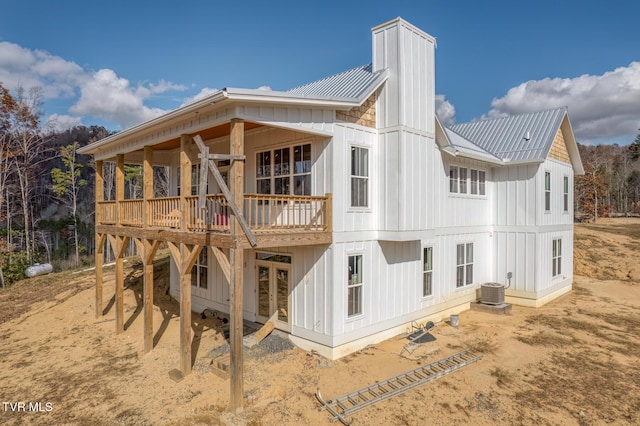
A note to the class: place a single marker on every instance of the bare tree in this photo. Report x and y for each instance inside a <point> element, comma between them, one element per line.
<point>28,145</point>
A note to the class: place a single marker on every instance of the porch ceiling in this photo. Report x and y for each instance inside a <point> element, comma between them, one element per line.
<point>208,134</point>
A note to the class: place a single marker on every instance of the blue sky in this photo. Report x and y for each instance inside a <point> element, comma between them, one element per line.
<point>117,63</point>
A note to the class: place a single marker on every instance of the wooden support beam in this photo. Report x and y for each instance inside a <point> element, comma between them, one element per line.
<point>99,256</point>
<point>185,179</point>
<point>119,245</point>
<point>223,262</point>
<point>185,314</point>
<point>236,257</point>
<point>148,249</point>
<point>227,192</point>
<point>147,182</point>
<point>100,238</point>
<point>119,184</point>
<point>185,258</point>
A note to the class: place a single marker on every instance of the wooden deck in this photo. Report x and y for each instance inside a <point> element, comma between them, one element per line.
<point>275,220</point>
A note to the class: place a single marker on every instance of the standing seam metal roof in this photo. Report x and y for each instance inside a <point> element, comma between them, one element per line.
<point>348,84</point>
<point>506,137</point>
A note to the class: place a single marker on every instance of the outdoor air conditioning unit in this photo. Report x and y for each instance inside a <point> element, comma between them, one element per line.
<point>492,293</point>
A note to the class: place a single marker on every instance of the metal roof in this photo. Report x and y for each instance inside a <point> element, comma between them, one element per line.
<point>522,137</point>
<point>468,148</point>
<point>353,83</point>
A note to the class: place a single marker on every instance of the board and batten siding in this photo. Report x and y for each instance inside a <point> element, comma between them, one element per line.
<point>556,215</point>
<point>407,171</point>
<point>392,282</point>
<point>408,97</point>
<point>345,217</point>
<point>462,210</point>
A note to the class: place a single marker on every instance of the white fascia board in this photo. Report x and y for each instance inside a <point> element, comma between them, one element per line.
<point>268,96</point>
<point>216,97</point>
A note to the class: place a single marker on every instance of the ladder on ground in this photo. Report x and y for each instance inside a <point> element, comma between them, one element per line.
<point>345,405</point>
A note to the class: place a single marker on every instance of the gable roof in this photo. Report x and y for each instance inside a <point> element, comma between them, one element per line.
<point>356,83</point>
<point>522,137</point>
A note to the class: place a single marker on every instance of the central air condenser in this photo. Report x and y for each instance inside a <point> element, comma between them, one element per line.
<point>492,293</point>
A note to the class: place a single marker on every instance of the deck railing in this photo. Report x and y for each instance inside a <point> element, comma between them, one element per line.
<point>164,212</point>
<point>108,212</point>
<point>262,212</point>
<point>130,212</point>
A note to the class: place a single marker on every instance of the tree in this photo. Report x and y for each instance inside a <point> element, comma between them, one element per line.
<point>8,107</point>
<point>67,184</point>
<point>634,148</point>
<point>593,185</point>
<point>27,144</point>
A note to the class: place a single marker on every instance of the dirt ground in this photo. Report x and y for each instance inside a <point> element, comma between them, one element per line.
<point>573,361</point>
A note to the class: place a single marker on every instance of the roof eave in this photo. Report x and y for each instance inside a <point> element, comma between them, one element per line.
<point>216,97</point>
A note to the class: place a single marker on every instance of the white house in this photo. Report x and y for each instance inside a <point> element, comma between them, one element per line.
<point>366,213</point>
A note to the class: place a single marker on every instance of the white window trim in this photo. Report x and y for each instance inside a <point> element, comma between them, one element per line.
<point>348,286</point>
<point>423,272</point>
<point>557,260</point>
<point>468,182</point>
<point>197,265</point>
<point>271,149</point>
<point>566,194</point>
<point>545,191</point>
<point>464,264</point>
<point>368,207</point>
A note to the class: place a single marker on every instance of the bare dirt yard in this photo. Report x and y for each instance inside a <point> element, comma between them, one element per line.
<point>573,361</point>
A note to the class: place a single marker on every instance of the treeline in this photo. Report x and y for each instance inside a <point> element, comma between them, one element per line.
<point>611,183</point>
<point>46,190</point>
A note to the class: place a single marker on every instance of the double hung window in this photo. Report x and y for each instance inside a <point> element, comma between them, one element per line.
<point>464,264</point>
<point>354,285</point>
<point>359,177</point>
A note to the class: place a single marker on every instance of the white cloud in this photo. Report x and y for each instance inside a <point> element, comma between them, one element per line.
<point>57,122</point>
<point>30,68</point>
<point>113,98</point>
<point>600,106</point>
<point>445,111</point>
<point>102,94</point>
<point>200,95</point>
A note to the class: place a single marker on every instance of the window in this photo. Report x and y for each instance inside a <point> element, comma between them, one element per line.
<point>453,179</point>
<point>427,271</point>
<point>359,177</point>
<point>199,271</point>
<point>464,264</point>
<point>547,191</point>
<point>354,298</point>
<point>285,171</point>
<point>464,180</point>
<point>556,257</point>
<point>477,182</point>
<point>566,193</point>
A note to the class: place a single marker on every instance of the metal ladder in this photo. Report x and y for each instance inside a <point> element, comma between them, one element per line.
<point>348,404</point>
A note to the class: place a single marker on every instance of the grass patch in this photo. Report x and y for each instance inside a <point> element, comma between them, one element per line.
<point>484,344</point>
<point>503,377</point>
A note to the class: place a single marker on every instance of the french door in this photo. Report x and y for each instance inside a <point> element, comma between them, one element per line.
<point>273,293</point>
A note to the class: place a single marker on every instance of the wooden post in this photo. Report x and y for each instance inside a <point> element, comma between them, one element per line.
<point>185,179</point>
<point>119,245</point>
<point>185,314</point>
<point>119,185</point>
<point>236,180</point>
<point>148,251</point>
<point>99,196</point>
